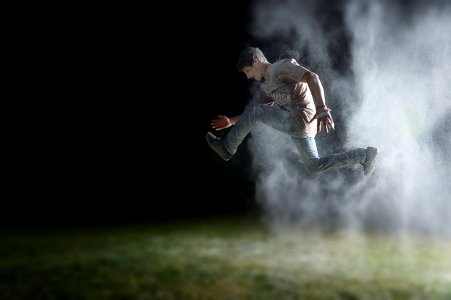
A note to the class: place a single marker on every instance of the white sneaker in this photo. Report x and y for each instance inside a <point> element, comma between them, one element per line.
<point>216,144</point>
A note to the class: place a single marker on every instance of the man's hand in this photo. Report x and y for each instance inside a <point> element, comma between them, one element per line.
<point>324,119</point>
<point>221,122</point>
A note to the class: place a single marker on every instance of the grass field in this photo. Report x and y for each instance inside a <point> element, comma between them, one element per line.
<point>220,259</point>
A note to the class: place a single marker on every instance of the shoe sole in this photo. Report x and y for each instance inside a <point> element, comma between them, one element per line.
<point>214,149</point>
<point>373,163</point>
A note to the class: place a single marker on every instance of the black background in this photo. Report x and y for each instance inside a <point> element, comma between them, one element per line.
<point>191,77</point>
<point>115,129</point>
<point>120,134</point>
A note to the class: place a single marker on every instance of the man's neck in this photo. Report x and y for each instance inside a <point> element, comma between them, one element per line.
<point>265,68</point>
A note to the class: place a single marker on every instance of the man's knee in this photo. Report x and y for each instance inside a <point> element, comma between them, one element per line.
<point>313,166</point>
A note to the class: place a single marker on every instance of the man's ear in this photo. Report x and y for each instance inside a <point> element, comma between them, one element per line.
<point>255,62</point>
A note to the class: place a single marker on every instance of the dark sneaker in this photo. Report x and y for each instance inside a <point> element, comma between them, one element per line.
<point>216,144</point>
<point>370,161</point>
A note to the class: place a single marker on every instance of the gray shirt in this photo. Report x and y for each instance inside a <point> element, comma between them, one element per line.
<point>282,84</point>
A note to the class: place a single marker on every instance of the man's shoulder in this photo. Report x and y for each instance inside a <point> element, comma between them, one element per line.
<point>285,62</point>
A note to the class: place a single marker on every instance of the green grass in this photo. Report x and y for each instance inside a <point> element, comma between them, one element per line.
<point>217,259</point>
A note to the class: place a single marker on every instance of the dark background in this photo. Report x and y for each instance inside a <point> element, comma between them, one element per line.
<point>124,139</point>
<point>191,77</point>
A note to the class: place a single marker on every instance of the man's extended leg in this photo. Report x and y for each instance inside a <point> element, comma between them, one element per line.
<point>272,116</point>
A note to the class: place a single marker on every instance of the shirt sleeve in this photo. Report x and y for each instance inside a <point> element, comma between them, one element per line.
<point>291,71</point>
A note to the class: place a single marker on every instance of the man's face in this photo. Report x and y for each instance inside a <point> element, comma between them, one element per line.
<point>254,72</point>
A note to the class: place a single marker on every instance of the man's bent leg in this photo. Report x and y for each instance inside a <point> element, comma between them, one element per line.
<point>340,160</point>
<point>307,150</point>
<point>309,156</point>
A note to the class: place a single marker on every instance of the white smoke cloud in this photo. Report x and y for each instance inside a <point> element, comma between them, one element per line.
<point>401,67</point>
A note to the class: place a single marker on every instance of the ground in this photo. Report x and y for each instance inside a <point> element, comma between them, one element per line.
<point>220,259</point>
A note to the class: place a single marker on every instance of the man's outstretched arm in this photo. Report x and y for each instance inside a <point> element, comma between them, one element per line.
<point>322,111</point>
<point>222,122</point>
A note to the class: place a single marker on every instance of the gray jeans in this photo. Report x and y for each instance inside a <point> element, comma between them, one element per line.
<point>282,120</point>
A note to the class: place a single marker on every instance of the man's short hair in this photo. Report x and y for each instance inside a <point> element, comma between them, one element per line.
<point>247,56</point>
